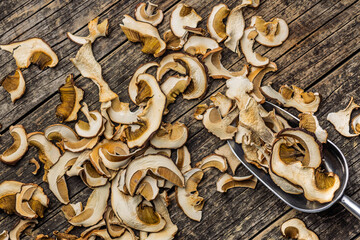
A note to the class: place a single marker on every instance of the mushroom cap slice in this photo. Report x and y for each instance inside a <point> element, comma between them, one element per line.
<point>131,212</point>
<point>310,122</point>
<point>32,50</point>
<point>219,126</point>
<point>199,45</point>
<point>183,159</point>
<point>91,177</point>
<point>77,167</point>
<point>87,65</point>
<point>145,33</point>
<point>226,181</point>
<point>95,30</point>
<point>182,16</point>
<point>270,34</point>
<point>232,160</point>
<point>115,155</point>
<point>296,229</point>
<point>120,112</point>
<point>215,24</point>
<point>8,190</point>
<point>149,13</point>
<point>173,42</point>
<point>94,125</point>
<point>170,136</point>
<point>224,104</point>
<point>70,96</point>
<point>188,197</point>
<point>15,85</point>
<point>341,119</point>
<point>80,145</point>
<point>168,63</point>
<point>60,132</point>
<point>22,205</point>
<point>247,42</point>
<point>213,160</point>
<point>20,227</point>
<point>151,150</point>
<point>18,149</point>
<point>148,188</point>
<point>284,184</point>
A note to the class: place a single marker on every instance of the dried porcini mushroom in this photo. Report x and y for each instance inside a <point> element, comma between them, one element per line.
<point>293,97</point>
<point>37,165</point>
<point>182,16</point>
<point>20,227</point>
<point>91,177</point>
<point>120,112</point>
<point>114,154</point>
<point>196,45</point>
<point>151,150</point>
<point>15,85</point>
<point>60,132</point>
<point>197,31</point>
<point>168,63</point>
<point>148,188</point>
<point>310,122</point>
<point>215,24</point>
<point>171,136</point>
<point>296,229</point>
<point>159,165</point>
<point>226,182</point>
<point>284,184</point>
<point>232,160</point>
<point>32,50</point>
<point>173,42</point>
<point>94,125</point>
<point>188,197</point>
<point>223,103</point>
<point>219,126</point>
<point>109,126</point>
<point>213,160</point>
<point>145,33</point>
<point>149,13</point>
<point>95,30</point>
<point>70,96</point>
<point>87,65</point>
<point>247,42</point>
<point>200,110</point>
<point>80,145</point>
<point>22,206</point>
<point>270,34</point>
<point>183,159</point>
<point>341,119</point>
<point>172,87</point>
<point>18,149</point>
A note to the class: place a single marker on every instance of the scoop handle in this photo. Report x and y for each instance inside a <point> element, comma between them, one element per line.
<point>351,205</point>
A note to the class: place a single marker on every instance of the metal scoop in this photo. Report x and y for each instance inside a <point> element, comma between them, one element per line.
<point>333,161</point>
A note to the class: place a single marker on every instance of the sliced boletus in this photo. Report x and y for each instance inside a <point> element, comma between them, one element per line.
<point>120,112</point>
<point>114,154</point>
<point>80,145</point>
<point>310,122</point>
<point>215,24</point>
<point>60,132</point>
<point>170,136</point>
<point>182,16</point>
<point>232,160</point>
<point>18,149</point>
<point>37,165</point>
<point>95,30</point>
<point>173,42</point>
<point>91,177</point>
<point>284,184</point>
<point>223,103</point>
<point>168,63</point>
<point>196,45</point>
<point>200,110</point>
<point>149,13</point>
<point>109,126</point>
<point>226,182</point>
<point>148,188</point>
<point>151,150</point>
<point>15,85</point>
<point>20,227</point>
<point>296,229</point>
<point>213,160</point>
<point>219,126</point>
<point>183,159</point>
<point>91,128</point>
<point>4,235</point>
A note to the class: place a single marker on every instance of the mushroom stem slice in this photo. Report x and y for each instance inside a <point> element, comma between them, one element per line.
<point>20,227</point>
<point>215,24</point>
<point>15,85</point>
<point>310,122</point>
<point>296,229</point>
<point>182,16</point>
<point>149,13</point>
<point>219,126</point>
<point>285,185</point>
<point>213,160</point>
<point>226,182</point>
<point>95,30</point>
<point>32,50</point>
<point>170,136</point>
<point>196,45</point>
<point>183,159</point>
<point>18,149</point>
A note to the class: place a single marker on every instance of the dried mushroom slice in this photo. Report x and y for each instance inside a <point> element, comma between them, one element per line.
<point>182,16</point>
<point>294,97</point>
<point>109,131</point>
<point>196,45</point>
<point>226,182</point>
<point>355,124</point>
<point>317,185</point>
<point>213,160</point>
<point>170,136</point>
<point>149,13</point>
<point>115,155</point>
<point>94,125</point>
<point>223,103</point>
<point>197,31</point>
<point>271,34</point>
<point>341,119</point>
<point>231,159</point>
<point>148,188</point>
<point>285,185</point>
<point>15,85</point>
<point>22,205</point>
<point>219,126</point>
<point>200,110</point>
<point>60,132</point>
<point>70,96</point>
<point>151,150</point>
<point>133,212</point>
<point>159,165</point>
<point>247,42</point>
<point>87,65</point>
<point>120,112</point>
<point>95,30</point>
<point>80,145</point>
<point>91,177</point>
<point>77,166</point>
<point>310,122</point>
<point>8,190</point>
<point>18,149</point>
<point>296,229</point>
<point>173,42</point>
<point>20,227</point>
<point>183,159</point>
<point>215,24</point>
<point>168,63</point>
<point>32,50</point>
<point>188,197</point>
<point>145,33</point>
<point>37,166</point>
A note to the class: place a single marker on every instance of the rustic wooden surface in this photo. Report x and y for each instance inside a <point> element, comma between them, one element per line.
<point>321,54</point>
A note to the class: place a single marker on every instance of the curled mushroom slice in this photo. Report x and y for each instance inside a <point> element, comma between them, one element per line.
<point>149,13</point>
<point>70,96</point>
<point>115,155</point>
<point>310,122</point>
<point>296,229</point>
<point>32,50</point>
<point>132,212</point>
<point>77,166</point>
<point>22,205</point>
<point>148,188</point>
<point>20,227</point>
<point>109,131</point>
<point>200,110</point>
<point>199,45</point>
<point>151,150</point>
<point>172,87</point>
<point>196,71</point>
<point>231,159</point>
<point>60,132</point>
<point>247,42</point>
<point>226,182</point>
<point>133,90</point>
<point>18,149</point>
<point>215,24</point>
<point>182,16</point>
<point>173,42</point>
<point>91,177</point>
<point>8,191</point>
<point>171,136</point>
<point>293,97</point>
<point>219,126</point>
<point>284,184</point>
<point>91,128</point>
<point>355,124</point>
<point>183,159</point>
<point>213,160</point>
<point>87,65</point>
<point>80,145</point>
<point>341,119</point>
<point>37,166</point>
<point>95,30</point>
<point>270,34</point>
<point>120,112</point>
<point>145,33</point>
<point>15,85</point>
<point>168,63</point>
<point>188,197</point>
<point>223,103</point>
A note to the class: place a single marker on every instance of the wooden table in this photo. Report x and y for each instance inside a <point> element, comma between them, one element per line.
<point>321,54</point>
